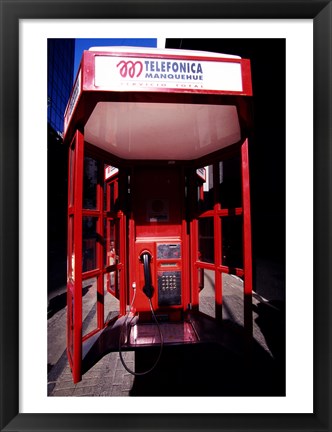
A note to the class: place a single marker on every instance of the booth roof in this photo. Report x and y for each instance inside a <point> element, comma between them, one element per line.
<point>162,51</point>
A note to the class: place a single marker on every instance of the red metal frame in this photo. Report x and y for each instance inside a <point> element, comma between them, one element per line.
<point>74,283</point>
<point>247,250</point>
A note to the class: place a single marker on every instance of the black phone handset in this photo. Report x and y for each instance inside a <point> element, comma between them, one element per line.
<point>148,289</point>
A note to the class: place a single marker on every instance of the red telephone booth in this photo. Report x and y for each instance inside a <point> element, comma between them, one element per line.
<point>158,197</point>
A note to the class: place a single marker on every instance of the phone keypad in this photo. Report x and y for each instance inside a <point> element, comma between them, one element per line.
<point>169,288</point>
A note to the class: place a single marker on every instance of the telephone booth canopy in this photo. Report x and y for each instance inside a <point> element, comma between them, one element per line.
<point>158,192</point>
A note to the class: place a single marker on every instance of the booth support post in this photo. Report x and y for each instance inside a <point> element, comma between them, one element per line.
<point>247,249</point>
<point>74,268</point>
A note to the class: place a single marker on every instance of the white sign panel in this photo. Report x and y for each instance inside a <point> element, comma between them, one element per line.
<point>73,100</point>
<point>134,73</point>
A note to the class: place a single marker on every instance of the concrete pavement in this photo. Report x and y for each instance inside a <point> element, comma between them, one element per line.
<point>189,365</point>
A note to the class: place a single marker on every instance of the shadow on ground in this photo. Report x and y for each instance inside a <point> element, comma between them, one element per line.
<point>208,370</point>
<point>59,302</point>
<point>271,321</point>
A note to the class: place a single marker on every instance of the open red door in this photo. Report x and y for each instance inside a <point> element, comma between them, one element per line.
<point>96,250</point>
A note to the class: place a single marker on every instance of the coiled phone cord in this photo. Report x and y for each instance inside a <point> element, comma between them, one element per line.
<point>121,335</point>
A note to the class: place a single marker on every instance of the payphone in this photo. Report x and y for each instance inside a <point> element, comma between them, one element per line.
<point>160,117</point>
<point>166,267</point>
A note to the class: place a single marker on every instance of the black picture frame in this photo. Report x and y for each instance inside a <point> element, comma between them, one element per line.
<point>10,13</point>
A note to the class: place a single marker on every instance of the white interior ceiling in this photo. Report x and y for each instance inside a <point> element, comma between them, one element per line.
<point>169,131</point>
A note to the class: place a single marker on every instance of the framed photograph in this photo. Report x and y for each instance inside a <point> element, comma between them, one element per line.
<point>289,45</point>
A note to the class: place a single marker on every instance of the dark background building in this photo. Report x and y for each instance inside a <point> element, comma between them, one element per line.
<point>60,60</point>
<point>266,152</point>
<point>60,70</point>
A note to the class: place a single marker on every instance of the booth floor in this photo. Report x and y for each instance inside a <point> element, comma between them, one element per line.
<point>193,370</point>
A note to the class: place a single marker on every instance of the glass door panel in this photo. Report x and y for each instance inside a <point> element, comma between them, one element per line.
<point>207,292</point>
<point>230,191</point>
<point>111,303</point>
<point>89,306</point>
<point>113,235</point>
<point>90,238</point>
<point>232,244</point>
<point>206,239</point>
<point>90,183</point>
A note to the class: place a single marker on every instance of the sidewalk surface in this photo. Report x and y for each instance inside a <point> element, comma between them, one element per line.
<point>195,370</point>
